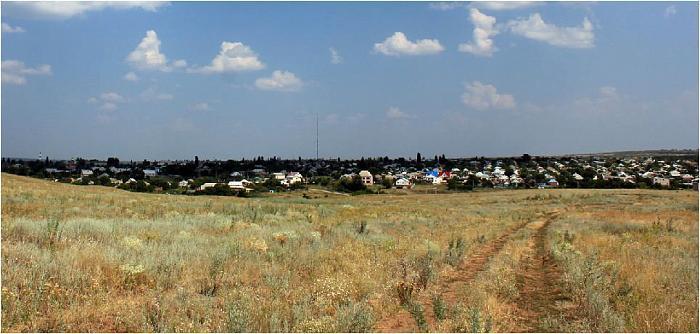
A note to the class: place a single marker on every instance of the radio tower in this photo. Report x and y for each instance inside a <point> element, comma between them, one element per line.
<point>317,137</point>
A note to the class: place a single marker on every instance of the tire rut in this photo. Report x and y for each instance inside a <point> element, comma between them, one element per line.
<point>541,292</point>
<point>449,286</point>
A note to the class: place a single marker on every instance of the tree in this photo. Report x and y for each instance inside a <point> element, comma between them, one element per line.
<point>418,158</point>
<point>387,182</point>
<point>112,162</point>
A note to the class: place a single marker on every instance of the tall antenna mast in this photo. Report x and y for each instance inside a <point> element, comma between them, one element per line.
<point>317,137</point>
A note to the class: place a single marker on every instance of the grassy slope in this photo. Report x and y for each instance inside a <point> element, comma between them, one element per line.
<point>78,258</point>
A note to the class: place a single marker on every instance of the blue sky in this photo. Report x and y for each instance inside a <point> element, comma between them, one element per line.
<point>231,80</point>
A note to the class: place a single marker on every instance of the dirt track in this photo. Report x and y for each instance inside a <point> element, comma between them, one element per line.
<point>539,284</point>
<point>449,285</point>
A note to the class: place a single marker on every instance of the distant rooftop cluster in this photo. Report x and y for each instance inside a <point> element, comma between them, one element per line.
<point>246,176</point>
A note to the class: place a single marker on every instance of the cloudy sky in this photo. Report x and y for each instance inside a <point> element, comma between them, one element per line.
<point>231,80</point>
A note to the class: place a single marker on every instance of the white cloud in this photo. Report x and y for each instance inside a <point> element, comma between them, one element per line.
<point>15,72</point>
<point>447,5</point>
<point>484,29</point>
<point>109,101</point>
<point>147,55</point>
<point>131,76</point>
<point>10,29</point>
<point>108,106</point>
<point>67,9</point>
<point>180,63</point>
<point>112,97</point>
<point>151,94</point>
<point>668,12</point>
<point>502,5</point>
<point>202,106</point>
<point>280,81</point>
<point>484,96</point>
<point>335,56</point>
<point>609,92</point>
<point>233,57</point>
<point>570,37</point>
<point>397,44</point>
<point>396,113</point>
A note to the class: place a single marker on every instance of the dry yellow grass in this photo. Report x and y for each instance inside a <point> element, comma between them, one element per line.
<point>77,258</point>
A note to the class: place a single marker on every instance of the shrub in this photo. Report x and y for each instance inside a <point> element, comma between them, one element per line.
<point>455,251</point>
<point>355,318</point>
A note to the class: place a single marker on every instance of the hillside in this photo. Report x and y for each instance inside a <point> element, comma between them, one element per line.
<point>91,258</point>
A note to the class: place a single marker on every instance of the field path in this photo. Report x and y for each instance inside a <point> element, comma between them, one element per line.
<point>449,285</point>
<point>539,283</point>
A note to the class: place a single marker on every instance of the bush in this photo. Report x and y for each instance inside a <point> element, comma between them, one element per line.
<point>455,252</point>
<point>355,318</point>
<point>349,184</point>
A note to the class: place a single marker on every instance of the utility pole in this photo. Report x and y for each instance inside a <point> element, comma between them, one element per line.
<point>317,137</point>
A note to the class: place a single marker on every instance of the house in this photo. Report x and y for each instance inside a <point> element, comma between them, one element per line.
<point>403,183</point>
<point>367,178</point>
<point>295,177</point>
<point>207,185</point>
<point>150,172</point>
<point>183,184</point>
<point>238,185</point>
<point>552,182</point>
<point>578,177</point>
<point>279,176</point>
<point>86,172</point>
<point>662,181</point>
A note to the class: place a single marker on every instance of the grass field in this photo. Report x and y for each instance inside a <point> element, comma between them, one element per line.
<point>79,258</point>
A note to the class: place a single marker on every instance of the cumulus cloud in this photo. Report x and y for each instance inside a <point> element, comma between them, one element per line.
<point>112,97</point>
<point>397,44</point>
<point>484,29</point>
<point>108,106</point>
<point>335,56</point>
<point>503,5</point>
<point>536,28</point>
<point>396,113</point>
<point>202,106</point>
<point>109,101</point>
<point>147,55</point>
<point>232,57</point>
<point>484,96</point>
<point>14,72</point>
<point>668,12</point>
<point>131,76</point>
<point>447,5</point>
<point>68,9</point>
<point>10,29</point>
<point>152,94</point>
<point>608,92</point>
<point>280,81</point>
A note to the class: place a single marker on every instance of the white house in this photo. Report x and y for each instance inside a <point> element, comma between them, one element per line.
<point>207,185</point>
<point>238,185</point>
<point>150,172</point>
<point>662,181</point>
<point>86,172</point>
<point>183,184</point>
<point>295,177</point>
<point>403,183</point>
<point>367,178</point>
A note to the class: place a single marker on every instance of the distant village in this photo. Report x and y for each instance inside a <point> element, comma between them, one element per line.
<point>247,177</point>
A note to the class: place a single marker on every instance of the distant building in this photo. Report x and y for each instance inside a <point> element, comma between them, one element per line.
<point>662,181</point>
<point>403,183</point>
<point>367,178</point>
